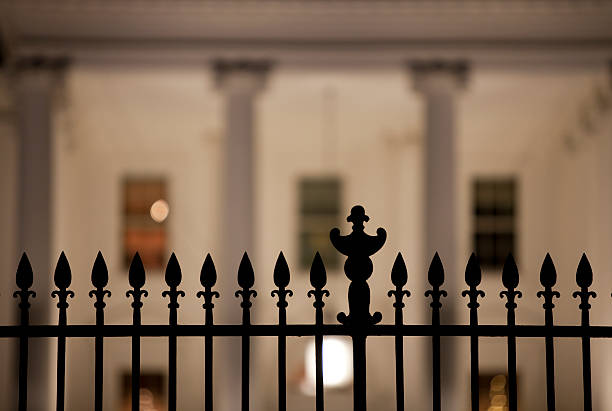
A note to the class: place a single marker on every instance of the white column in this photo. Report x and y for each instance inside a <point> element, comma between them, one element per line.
<point>240,82</point>
<point>36,79</point>
<point>439,84</point>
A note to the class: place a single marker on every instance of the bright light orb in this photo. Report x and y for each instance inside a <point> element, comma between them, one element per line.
<point>337,364</point>
<point>160,210</point>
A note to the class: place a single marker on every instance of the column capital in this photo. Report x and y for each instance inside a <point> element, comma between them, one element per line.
<point>40,73</point>
<point>241,76</point>
<point>439,76</point>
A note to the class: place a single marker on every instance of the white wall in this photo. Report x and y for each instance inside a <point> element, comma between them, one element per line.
<point>364,125</point>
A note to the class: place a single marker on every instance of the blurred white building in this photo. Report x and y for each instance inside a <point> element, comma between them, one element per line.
<point>458,125</point>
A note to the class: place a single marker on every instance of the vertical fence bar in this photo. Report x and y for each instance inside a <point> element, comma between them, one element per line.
<point>137,280</point>
<point>208,278</point>
<point>399,277</point>
<point>246,279</point>
<point>473,277</point>
<point>24,279</point>
<point>548,278</point>
<point>318,279</point>
<point>99,279</point>
<point>358,247</point>
<point>281,280</point>
<point>173,280</point>
<point>510,279</point>
<point>62,278</point>
<point>435,277</point>
<point>584,279</point>
<point>359,371</point>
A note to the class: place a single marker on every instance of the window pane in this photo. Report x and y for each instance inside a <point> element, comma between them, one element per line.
<point>319,212</point>
<point>494,220</point>
<point>145,209</point>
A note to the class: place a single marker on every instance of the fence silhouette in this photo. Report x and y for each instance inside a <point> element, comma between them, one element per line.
<point>359,323</point>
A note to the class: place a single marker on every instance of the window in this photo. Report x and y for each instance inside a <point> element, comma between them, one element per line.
<point>494,221</point>
<point>144,221</point>
<point>319,200</point>
<point>493,392</point>
<point>152,395</point>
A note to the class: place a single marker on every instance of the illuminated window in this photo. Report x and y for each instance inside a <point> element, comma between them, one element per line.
<point>144,216</point>
<point>337,364</point>
<point>493,392</point>
<point>319,200</point>
<point>152,396</point>
<point>494,221</point>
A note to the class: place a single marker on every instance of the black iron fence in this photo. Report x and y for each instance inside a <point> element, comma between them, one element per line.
<point>359,323</point>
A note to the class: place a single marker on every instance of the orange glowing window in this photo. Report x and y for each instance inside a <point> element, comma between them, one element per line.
<point>145,213</point>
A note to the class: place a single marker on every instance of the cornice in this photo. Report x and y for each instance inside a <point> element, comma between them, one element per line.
<point>269,28</point>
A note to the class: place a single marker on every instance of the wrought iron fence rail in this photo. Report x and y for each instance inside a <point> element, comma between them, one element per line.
<point>358,323</point>
<point>303,330</point>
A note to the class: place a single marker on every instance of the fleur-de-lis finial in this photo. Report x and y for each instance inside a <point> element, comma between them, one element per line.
<point>358,247</point>
<point>510,279</point>
<point>548,279</point>
<point>399,278</point>
<point>281,280</point>
<point>208,279</point>
<point>173,280</point>
<point>435,276</point>
<point>62,279</point>
<point>246,280</point>
<point>24,279</point>
<point>584,279</point>
<point>136,277</point>
<point>318,279</point>
<point>473,276</point>
<point>99,279</point>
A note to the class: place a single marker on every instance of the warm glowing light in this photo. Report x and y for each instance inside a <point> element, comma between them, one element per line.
<point>160,210</point>
<point>337,364</point>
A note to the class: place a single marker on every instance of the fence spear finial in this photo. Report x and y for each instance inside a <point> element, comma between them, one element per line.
<point>173,275</point>
<point>473,276</point>
<point>25,276</point>
<point>399,278</point>
<point>63,275</point>
<point>399,273</point>
<point>208,273</point>
<point>99,279</point>
<point>246,276</point>
<point>208,278</point>
<point>584,279</point>
<point>99,272</point>
<point>318,276</point>
<point>173,280</point>
<point>62,278</point>
<point>281,280</point>
<point>246,280</point>
<point>435,274</point>
<point>136,273</point>
<point>281,272</point>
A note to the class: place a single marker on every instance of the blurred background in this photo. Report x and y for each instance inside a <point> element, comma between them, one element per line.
<point>209,126</point>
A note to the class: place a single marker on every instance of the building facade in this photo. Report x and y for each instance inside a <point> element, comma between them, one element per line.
<point>459,126</point>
